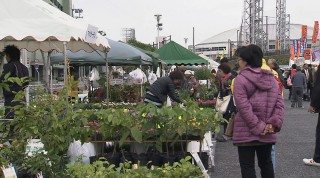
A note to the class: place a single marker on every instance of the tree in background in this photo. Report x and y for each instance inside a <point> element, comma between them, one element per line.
<point>141,45</point>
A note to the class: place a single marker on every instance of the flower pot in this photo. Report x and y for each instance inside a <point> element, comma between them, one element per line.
<point>140,159</point>
<point>156,159</point>
<point>170,159</point>
<point>182,155</point>
<point>113,158</point>
<point>93,159</point>
<point>190,137</point>
<point>204,159</point>
<point>126,157</point>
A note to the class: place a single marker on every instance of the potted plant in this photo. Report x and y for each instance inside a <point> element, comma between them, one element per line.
<point>202,73</point>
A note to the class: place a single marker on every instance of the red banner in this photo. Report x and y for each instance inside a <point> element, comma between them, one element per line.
<point>298,52</point>
<point>315,32</point>
<point>304,34</point>
<point>291,52</point>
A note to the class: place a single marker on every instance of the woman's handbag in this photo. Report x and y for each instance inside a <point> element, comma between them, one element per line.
<point>289,82</point>
<point>229,129</point>
<point>222,103</point>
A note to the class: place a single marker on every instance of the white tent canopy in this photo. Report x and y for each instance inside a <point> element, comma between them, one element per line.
<point>34,24</point>
<point>211,63</point>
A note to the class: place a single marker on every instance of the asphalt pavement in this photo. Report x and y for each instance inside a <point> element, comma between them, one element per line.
<point>295,142</point>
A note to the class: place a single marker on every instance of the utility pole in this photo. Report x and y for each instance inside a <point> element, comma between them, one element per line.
<point>193,48</point>
<point>159,28</point>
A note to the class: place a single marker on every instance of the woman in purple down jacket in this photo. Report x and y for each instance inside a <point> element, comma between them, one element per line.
<point>260,113</point>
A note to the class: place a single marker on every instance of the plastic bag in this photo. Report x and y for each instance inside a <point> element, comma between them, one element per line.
<point>138,76</point>
<point>94,75</point>
<point>152,78</point>
<point>85,151</point>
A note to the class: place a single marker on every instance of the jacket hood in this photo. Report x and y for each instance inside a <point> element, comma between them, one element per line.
<point>262,79</point>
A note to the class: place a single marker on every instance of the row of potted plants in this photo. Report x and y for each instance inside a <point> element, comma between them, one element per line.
<point>57,122</point>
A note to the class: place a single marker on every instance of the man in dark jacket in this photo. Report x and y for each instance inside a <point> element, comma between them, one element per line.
<point>315,108</point>
<point>16,69</point>
<point>158,92</point>
<point>308,73</point>
<point>299,84</point>
<point>272,63</point>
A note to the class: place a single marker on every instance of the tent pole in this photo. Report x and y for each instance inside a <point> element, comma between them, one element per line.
<point>51,79</point>
<point>107,77</point>
<point>141,85</point>
<point>27,89</point>
<point>50,69</point>
<point>65,72</point>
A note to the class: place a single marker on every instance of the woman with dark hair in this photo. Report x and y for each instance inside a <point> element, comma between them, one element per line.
<point>260,113</point>
<point>224,90</point>
<point>165,86</point>
<point>315,108</point>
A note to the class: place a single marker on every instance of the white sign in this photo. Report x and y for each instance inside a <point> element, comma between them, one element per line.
<point>91,34</point>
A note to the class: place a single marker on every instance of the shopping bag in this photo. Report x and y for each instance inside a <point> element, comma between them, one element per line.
<point>222,103</point>
<point>229,129</point>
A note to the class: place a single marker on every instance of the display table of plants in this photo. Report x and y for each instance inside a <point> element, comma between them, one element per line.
<point>57,122</point>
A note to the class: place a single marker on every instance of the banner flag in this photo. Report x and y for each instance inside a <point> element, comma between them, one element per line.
<point>291,52</point>
<point>295,45</point>
<point>304,34</point>
<point>299,47</point>
<point>315,32</point>
<point>316,55</point>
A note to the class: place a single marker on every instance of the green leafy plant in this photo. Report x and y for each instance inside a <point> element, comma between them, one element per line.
<point>202,73</point>
<point>56,123</point>
<point>101,169</point>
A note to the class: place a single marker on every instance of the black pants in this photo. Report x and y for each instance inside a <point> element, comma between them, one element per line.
<point>297,94</point>
<point>316,156</point>
<point>247,161</point>
<point>8,104</point>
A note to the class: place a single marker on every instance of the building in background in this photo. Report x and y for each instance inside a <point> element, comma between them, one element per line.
<point>63,5</point>
<point>128,34</point>
<point>227,41</point>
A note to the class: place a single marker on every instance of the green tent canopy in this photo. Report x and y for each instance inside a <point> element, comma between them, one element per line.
<point>174,54</point>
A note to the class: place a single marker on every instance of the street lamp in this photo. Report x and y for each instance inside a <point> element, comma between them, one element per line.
<point>238,38</point>
<point>186,42</point>
<point>159,27</point>
<point>77,11</point>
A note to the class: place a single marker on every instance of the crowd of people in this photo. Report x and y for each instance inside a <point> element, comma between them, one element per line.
<point>255,87</point>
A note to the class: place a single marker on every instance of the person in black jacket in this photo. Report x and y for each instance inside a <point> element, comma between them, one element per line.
<point>272,63</point>
<point>315,108</point>
<point>165,86</point>
<point>16,69</point>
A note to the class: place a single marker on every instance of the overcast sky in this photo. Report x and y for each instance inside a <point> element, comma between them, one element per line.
<point>209,17</point>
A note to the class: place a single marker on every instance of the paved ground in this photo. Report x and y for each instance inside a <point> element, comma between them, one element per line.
<point>295,142</point>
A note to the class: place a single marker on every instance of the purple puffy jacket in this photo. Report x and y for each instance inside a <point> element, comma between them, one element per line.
<point>259,102</point>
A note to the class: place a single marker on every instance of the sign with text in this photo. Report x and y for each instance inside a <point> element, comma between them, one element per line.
<point>91,34</point>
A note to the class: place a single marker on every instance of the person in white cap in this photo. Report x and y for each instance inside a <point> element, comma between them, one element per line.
<point>192,81</point>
